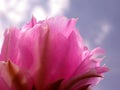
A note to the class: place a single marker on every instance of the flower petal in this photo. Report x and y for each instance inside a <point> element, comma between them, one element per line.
<point>10,45</point>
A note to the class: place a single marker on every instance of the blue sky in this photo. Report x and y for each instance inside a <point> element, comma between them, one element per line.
<point>98,23</point>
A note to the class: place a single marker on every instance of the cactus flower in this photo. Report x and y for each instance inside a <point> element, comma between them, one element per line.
<point>48,55</point>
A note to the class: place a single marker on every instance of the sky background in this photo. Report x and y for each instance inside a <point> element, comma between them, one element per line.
<point>98,24</point>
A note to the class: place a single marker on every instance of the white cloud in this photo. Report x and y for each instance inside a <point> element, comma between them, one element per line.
<point>13,10</point>
<point>105,28</point>
<point>2,6</point>
<point>55,7</point>
<point>39,13</point>
<point>16,12</point>
<point>15,18</point>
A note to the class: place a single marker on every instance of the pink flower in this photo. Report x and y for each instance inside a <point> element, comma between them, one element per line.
<point>48,55</point>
